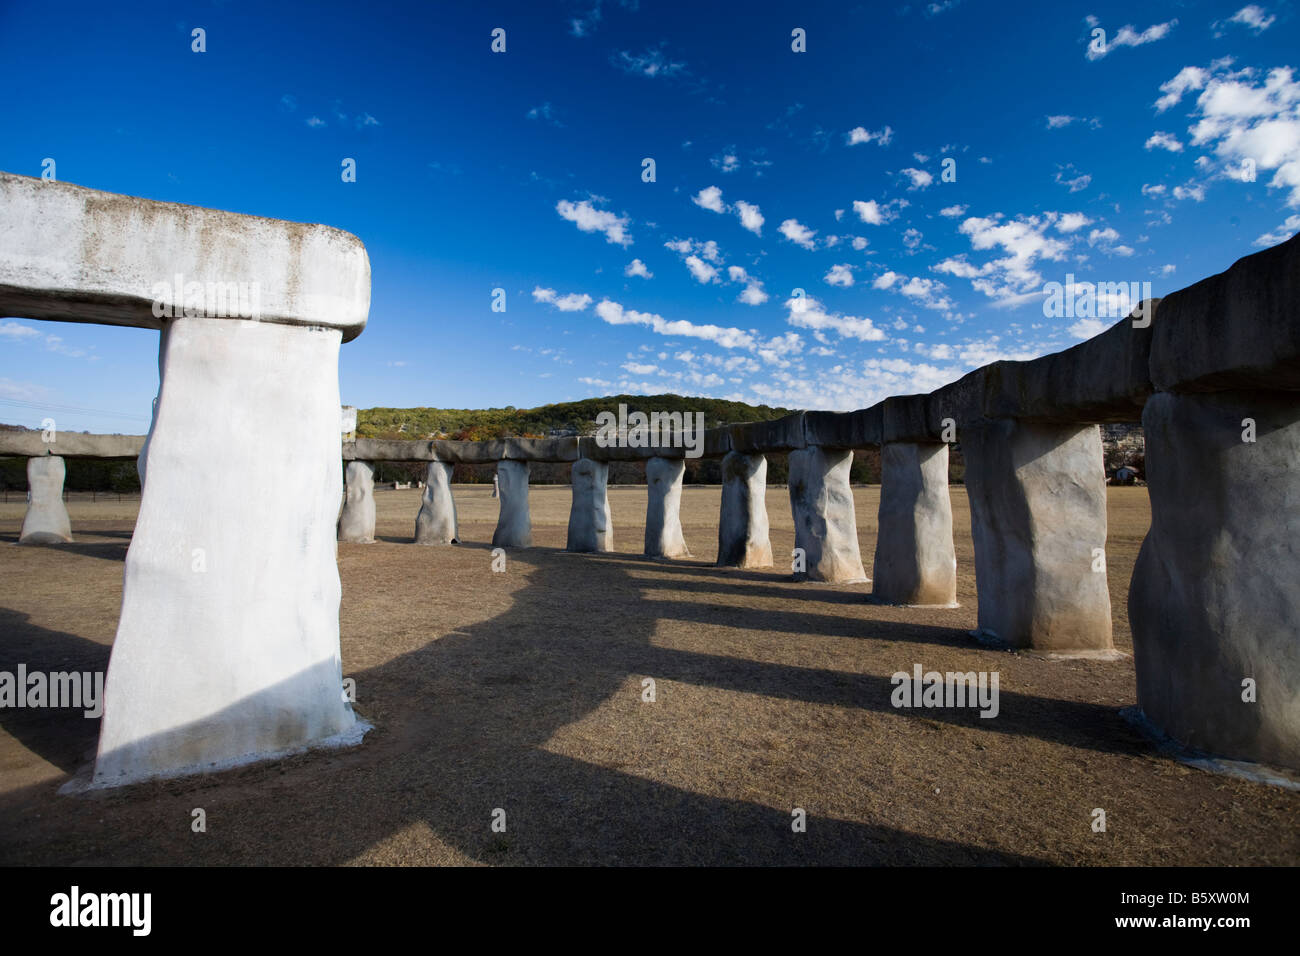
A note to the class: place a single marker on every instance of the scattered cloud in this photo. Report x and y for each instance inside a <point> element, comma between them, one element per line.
<point>1126,36</point>
<point>1161,140</point>
<point>589,219</point>
<point>638,268</point>
<point>840,275</point>
<point>859,134</point>
<point>800,235</point>
<point>750,217</point>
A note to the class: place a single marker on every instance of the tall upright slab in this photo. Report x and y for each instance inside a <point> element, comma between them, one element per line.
<point>357,521</point>
<point>1215,596</point>
<point>915,560</point>
<point>663,517</point>
<point>825,521</point>
<point>591,527</point>
<point>46,521</point>
<point>436,522</point>
<point>227,649</point>
<point>514,523</point>
<point>743,540</point>
<point>1038,519</point>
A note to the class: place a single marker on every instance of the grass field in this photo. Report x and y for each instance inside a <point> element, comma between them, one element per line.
<point>523,691</point>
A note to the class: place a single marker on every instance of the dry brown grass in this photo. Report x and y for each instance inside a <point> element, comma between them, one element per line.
<point>522,690</point>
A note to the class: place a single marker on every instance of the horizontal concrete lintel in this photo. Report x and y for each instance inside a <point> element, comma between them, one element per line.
<point>71,254</point>
<point>28,444</point>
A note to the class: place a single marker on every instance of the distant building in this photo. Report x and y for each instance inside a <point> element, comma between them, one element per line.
<point>1127,475</point>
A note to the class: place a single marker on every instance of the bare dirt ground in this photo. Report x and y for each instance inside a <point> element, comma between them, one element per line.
<point>522,691</point>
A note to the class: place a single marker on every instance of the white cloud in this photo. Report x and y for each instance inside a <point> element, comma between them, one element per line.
<point>885,281</point>
<point>920,178</point>
<point>1087,328</point>
<point>750,217</point>
<point>1056,122</point>
<point>1163,140</point>
<point>798,234</point>
<point>651,63</point>
<point>1072,222</point>
<point>1156,190</point>
<point>860,135</point>
<point>573,302</point>
<point>315,122</point>
<point>859,243</point>
<point>1249,124</point>
<point>680,246</point>
<point>16,332</point>
<point>841,275</point>
<point>638,268</point>
<point>730,338</point>
<point>1253,17</point>
<point>1282,233</point>
<point>876,214</point>
<point>1127,36</point>
<point>807,313</point>
<point>701,270</point>
<point>1011,279</point>
<point>1105,236</point>
<point>726,162</point>
<point>1188,78</point>
<point>1168,270</point>
<point>710,198</point>
<point>1075,183</point>
<point>1196,193</point>
<point>589,219</point>
<point>638,369</point>
<point>952,212</point>
<point>912,238</point>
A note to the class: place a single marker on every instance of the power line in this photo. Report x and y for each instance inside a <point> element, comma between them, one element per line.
<point>41,406</point>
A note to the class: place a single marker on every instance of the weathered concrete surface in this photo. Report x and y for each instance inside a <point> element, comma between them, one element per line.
<point>80,255</point>
<point>857,429</point>
<point>663,519</point>
<point>825,524</point>
<point>28,444</point>
<point>357,522</point>
<point>743,540</point>
<point>915,560</point>
<point>591,527</point>
<point>781,434</point>
<point>514,523</point>
<point>1215,596</point>
<point>1038,510</point>
<point>227,648</point>
<point>1105,379</point>
<point>46,521</point>
<point>1235,330</point>
<point>506,449</point>
<point>496,486</point>
<point>906,418</point>
<point>387,449</point>
<point>436,522</point>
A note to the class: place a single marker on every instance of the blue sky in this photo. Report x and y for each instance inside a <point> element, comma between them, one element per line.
<point>774,171</point>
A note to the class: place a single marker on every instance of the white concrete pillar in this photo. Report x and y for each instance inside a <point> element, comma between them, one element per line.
<point>514,524</point>
<point>591,527</point>
<point>357,522</point>
<point>743,540</point>
<point>227,648</point>
<point>46,521</point>
<point>825,522</point>
<point>436,522</point>
<point>1038,518</point>
<point>663,519</point>
<point>915,560</point>
<point>1215,597</point>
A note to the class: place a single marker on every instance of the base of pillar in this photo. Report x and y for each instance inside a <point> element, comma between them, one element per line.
<point>1240,769</point>
<point>85,781</point>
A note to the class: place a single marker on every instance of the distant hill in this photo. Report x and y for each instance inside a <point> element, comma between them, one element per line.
<point>564,418</point>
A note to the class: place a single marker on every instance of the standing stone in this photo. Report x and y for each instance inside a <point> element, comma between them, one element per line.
<point>742,520</point>
<point>915,560</point>
<point>46,521</point>
<point>436,522</point>
<point>357,523</point>
<point>1215,596</point>
<point>227,646</point>
<point>825,522</point>
<point>590,525</point>
<point>663,519</point>
<point>1038,519</point>
<point>496,486</point>
<point>514,524</point>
